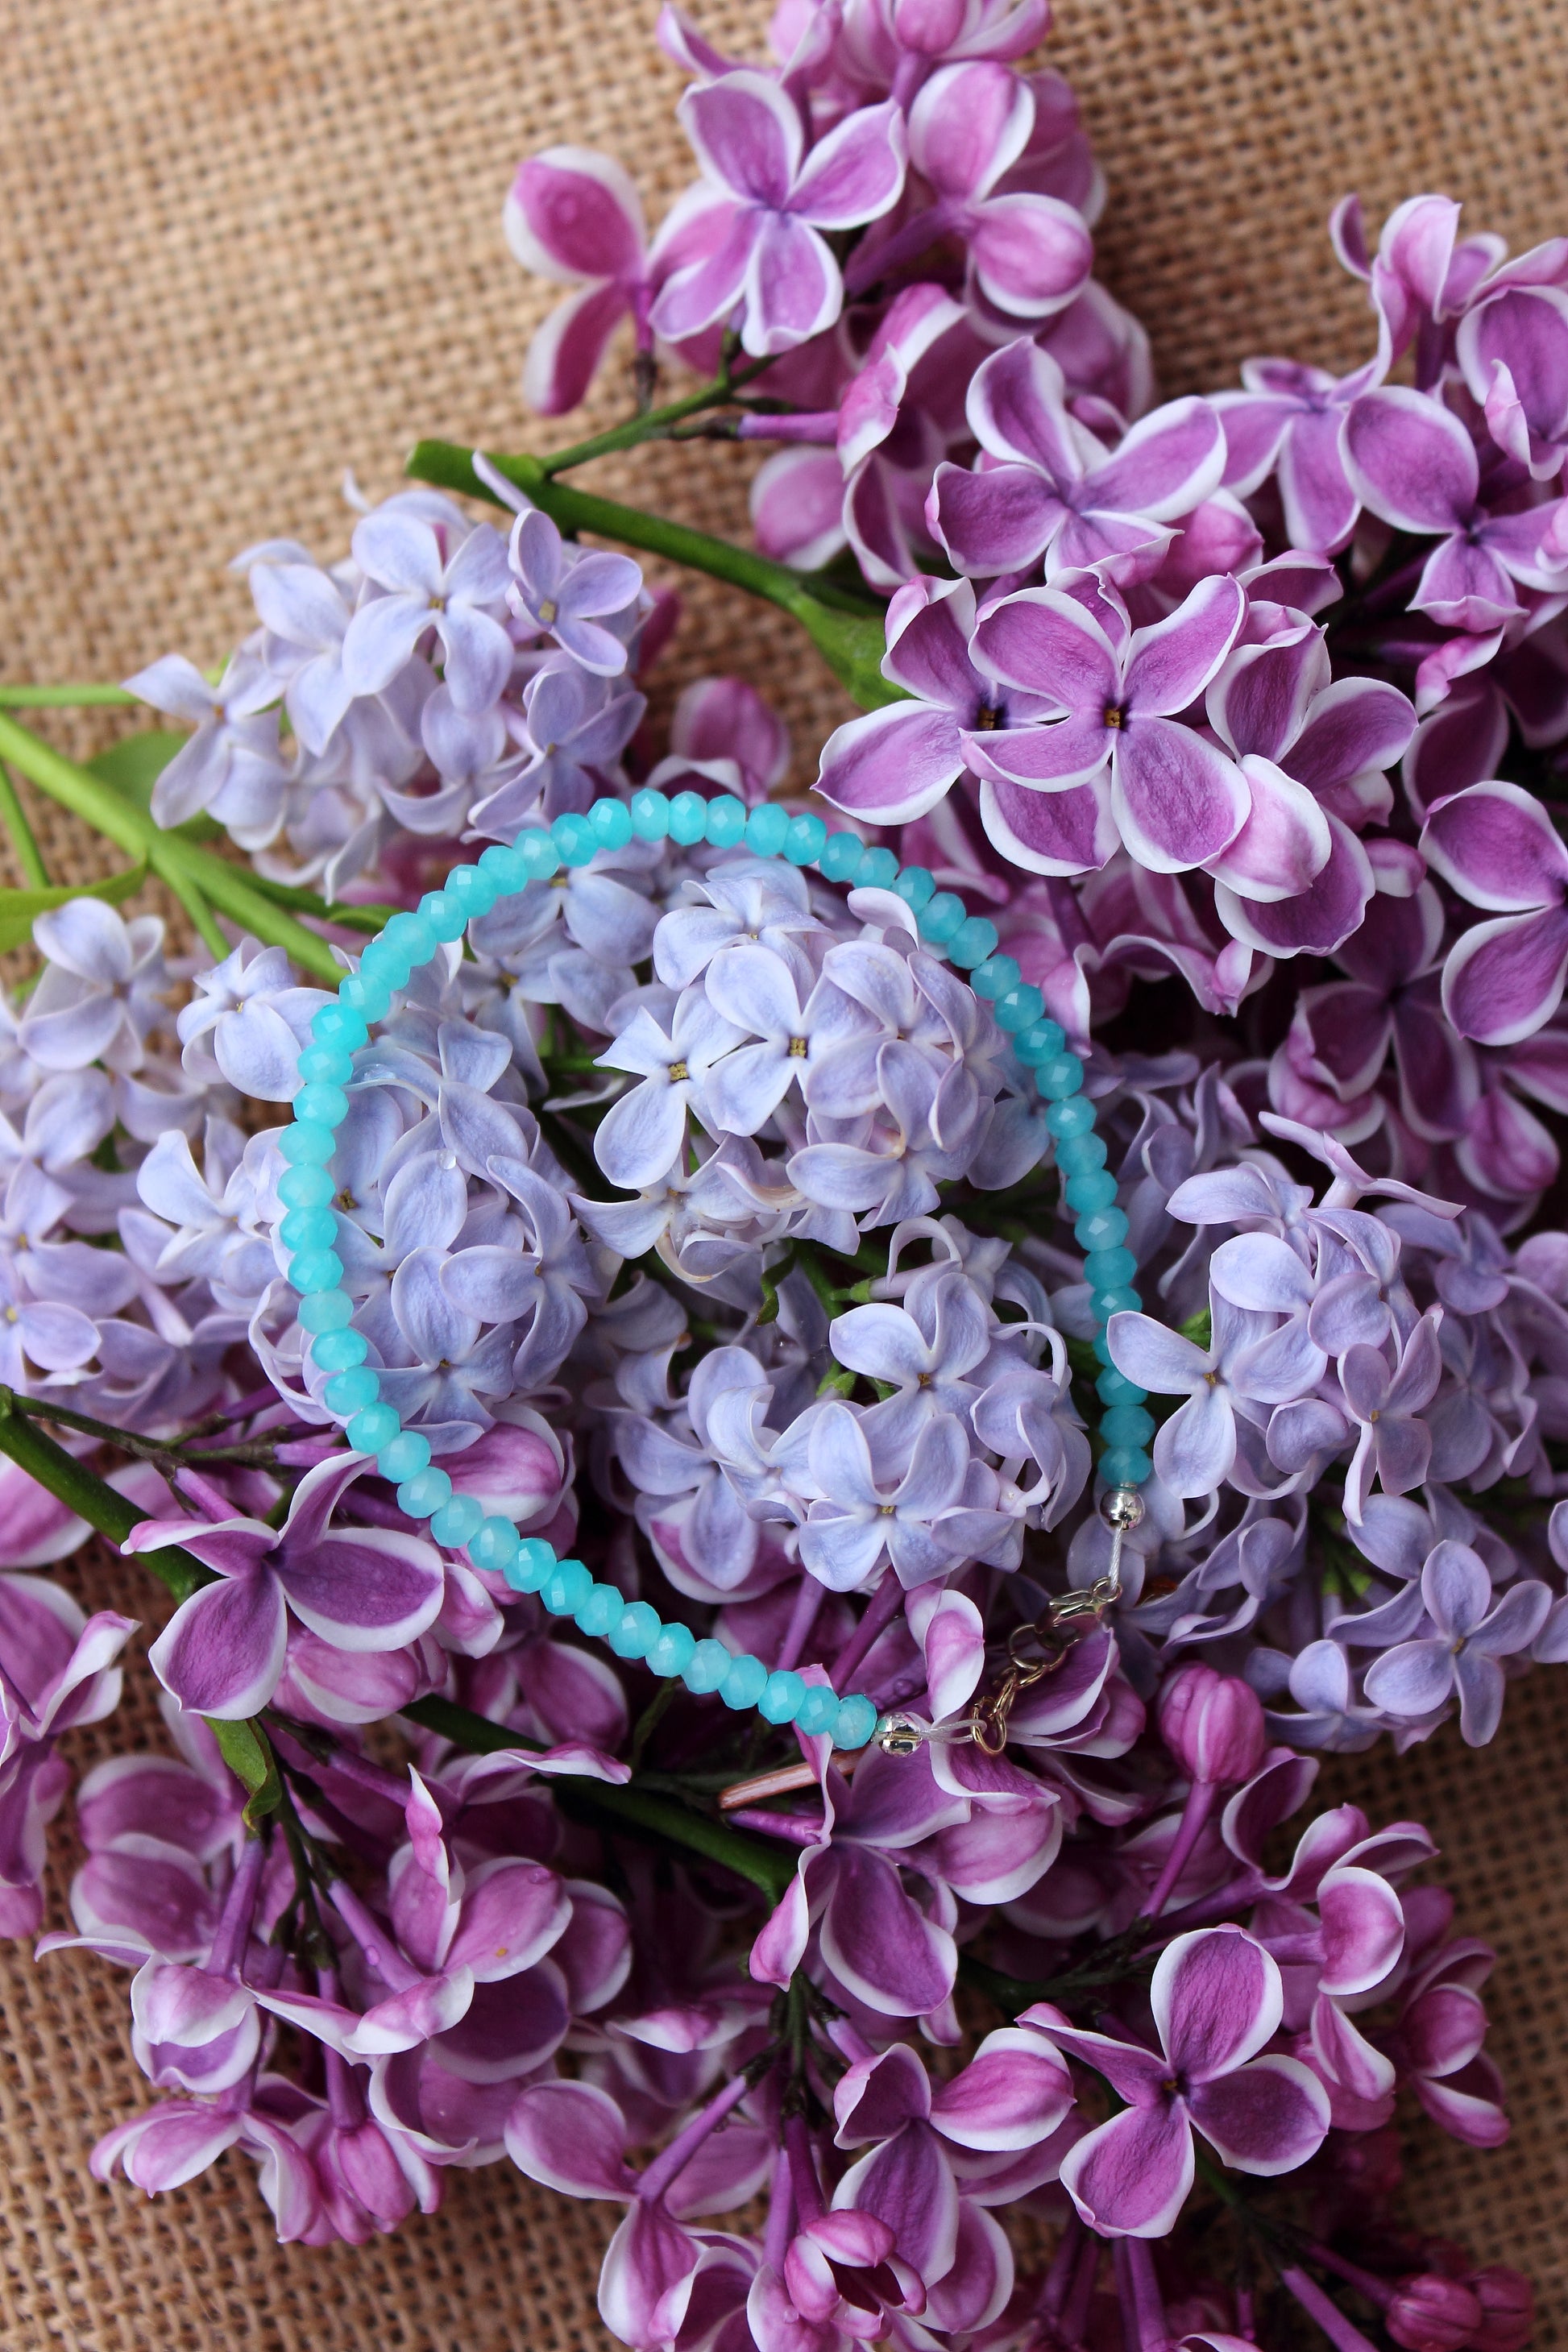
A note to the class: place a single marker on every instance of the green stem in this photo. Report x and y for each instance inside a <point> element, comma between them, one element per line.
<point>847,629</point>
<point>766,1867</point>
<point>14,816</point>
<point>65,698</point>
<point>199,913</point>
<point>654,423</point>
<point>182,864</point>
<point>257,1453</point>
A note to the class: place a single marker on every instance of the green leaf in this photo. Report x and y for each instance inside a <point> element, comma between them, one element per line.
<point>247,1750</point>
<point>17,908</point>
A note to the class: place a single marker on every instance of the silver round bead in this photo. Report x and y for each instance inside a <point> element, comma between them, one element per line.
<point>1122,1508</point>
<point>899,1735</point>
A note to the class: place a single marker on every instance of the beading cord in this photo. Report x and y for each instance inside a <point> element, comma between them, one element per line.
<point>351,1392</point>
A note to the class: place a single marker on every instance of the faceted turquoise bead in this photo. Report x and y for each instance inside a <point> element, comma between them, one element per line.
<point>726,823</point>
<point>916,886</point>
<point>1103,1269</point>
<point>767,829</point>
<point>345,1392</point>
<point>672,1652</point>
<point>1095,1191</point>
<point>369,997</point>
<point>1125,1466</point>
<point>612,823</point>
<point>876,870</point>
<point>744,1683</point>
<point>403,1456</point>
<point>650,814</point>
<point>493,1544</point>
<point>445,913</point>
<point>410,936</point>
<point>305,1186</point>
<point>601,1613</point>
<point>505,867</point>
<point>573,838</point>
<point>687,819</point>
<point>1114,1388</point>
<point>308,1229</point>
<point>818,1710</point>
<point>856,1721</point>
<point>1100,1229</point>
<point>1019,1008</point>
<point>307,1144</point>
<point>1102,1348</point>
<point>972,941</point>
<point>1073,1116</point>
<point>1119,1299</point>
<point>706,1668</point>
<point>372,1428</point>
<point>330,1063</point>
<point>456,1521</point>
<point>327,1310</point>
<point>532,1563</point>
<point>804,841</point>
<point>566,1587</point>
<point>841,857</point>
<point>538,856</point>
<point>421,1496</point>
<point>1059,1078</point>
<point>339,1024</point>
<point>383,966</point>
<point>474,892</point>
<point>996,976</point>
<point>338,1352</point>
<point>636,1632</point>
<point>327,1105</point>
<point>315,1269</point>
<point>1077,1155</point>
<point>1042,1041</point>
<point>782,1696</point>
<point>941,916</point>
<point>1127,1424</point>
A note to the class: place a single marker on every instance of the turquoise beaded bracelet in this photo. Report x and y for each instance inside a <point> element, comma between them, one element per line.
<point>352,1388</point>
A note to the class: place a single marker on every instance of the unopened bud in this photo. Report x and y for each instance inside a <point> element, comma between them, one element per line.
<point>1507,2308</point>
<point>1433,2313</point>
<point>1212,1724</point>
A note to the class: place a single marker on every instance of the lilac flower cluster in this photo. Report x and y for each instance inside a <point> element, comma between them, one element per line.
<point>697,1216</point>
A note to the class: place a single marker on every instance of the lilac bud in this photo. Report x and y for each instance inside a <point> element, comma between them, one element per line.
<point>1433,2313</point>
<point>1507,2308</point>
<point>1212,1724</point>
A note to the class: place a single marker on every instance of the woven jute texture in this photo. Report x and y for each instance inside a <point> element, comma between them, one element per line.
<point>247,243</point>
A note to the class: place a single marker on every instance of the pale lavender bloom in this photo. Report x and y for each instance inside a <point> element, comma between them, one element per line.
<point>221,1652</point>
<point>233,766</point>
<point>457,593</point>
<point>569,593</point>
<point>889,1168</point>
<point>305,613</point>
<point>641,1136</point>
<point>102,991</point>
<point>924,1348</point>
<point>576,727</point>
<point>1218,1999</point>
<point>1195,1448</point>
<point>755,991</point>
<point>1320,1681</point>
<point>437,1359</point>
<point>1027,254</point>
<point>894,764</point>
<point>1470,1633</point>
<point>213,1212</point>
<point>597,906</point>
<point>1054,489</point>
<point>574,215</point>
<point>1496,846</point>
<point>1413,462</point>
<point>924,1506</point>
<point>1394,1443</point>
<point>747,901</point>
<point>1176,800</point>
<point>773,200</point>
<point>52,1294</point>
<point>248,1021</point>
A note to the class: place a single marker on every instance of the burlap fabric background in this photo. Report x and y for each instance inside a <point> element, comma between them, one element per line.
<point>248,243</point>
